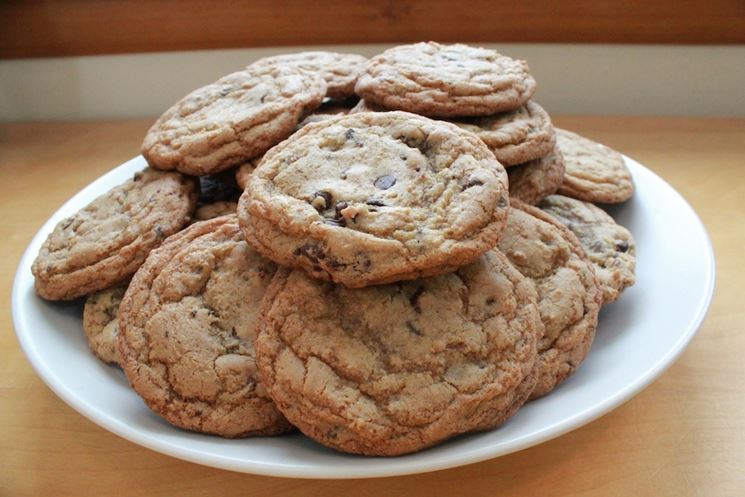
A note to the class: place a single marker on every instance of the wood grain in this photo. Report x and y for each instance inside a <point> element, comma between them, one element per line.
<point>683,436</point>
<point>50,28</point>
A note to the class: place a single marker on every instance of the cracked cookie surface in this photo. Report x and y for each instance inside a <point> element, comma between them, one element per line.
<point>395,368</point>
<point>514,137</point>
<point>537,179</point>
<point>187,325</point>
<point>445,80</point>
<point>569,296</point>
<point>101,323</point>
<point>372,198</point>
<point>105,242</point>
<point>339,70</point>
<point>232,120</point>
<point>610,246</point>
<point>593,172</point>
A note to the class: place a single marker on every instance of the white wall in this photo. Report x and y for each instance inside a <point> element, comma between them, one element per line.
<point>572,79</point>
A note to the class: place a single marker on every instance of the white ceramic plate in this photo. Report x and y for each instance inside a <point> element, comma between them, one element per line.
<point>638,338</point>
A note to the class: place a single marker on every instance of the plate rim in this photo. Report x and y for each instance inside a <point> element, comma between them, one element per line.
<point>578,419</point>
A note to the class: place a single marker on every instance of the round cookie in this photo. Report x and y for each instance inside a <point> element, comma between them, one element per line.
<point>515,137</point>
<point>187,326</point>
<point>569,296</point>
<point>594,172</point>
<point>373,198</point>
<point>238,117</point>
<point>535,180</point>
<point>101,323</point>
<point>392,369</point>
<point>213,210</point>
<point>105,242</point>
<point>339,70</point>
<point>445,80</point>
<point>610,247</point>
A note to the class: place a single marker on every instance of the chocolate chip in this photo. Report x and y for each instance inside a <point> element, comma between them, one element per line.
<point>385,182</point>
<point>414,299</point>
<point>224,92</point>
<point>340,206</point>
<point>263,98</point>
<point>376,202</point>
<point>622,246</point>
<point>349,135</point>
<point>321,200</point>
<point>336,222</point>
<point>159,232</point>
<point>311,252</point>
<point>413,328</point>
<point>502,201</point>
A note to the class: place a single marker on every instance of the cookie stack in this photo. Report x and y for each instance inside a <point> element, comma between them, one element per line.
<point>382,284</point>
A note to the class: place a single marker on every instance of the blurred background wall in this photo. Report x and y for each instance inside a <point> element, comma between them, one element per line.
<point>101,59</point>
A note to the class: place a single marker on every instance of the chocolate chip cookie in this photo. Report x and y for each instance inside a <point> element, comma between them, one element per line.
<point>372,198</point>
<point>187,326</point>
<point>515,137</point>
<point>228,122</point>
<point>101,323</point>
<point>445,80</point>
<point>339,70</point>
<point>105,242</point>
<point>395,368</point>
<point>569,296</point>
<point>537,179</point>
<point>594,172</point>
<point>611,247</point>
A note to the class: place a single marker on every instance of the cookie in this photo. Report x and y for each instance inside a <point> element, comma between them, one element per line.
<point>215,209</point>
<point>392,369</point>
<point>594,172</point>
<point>228,122</point>
<point>610,247</point>
<point>105,242</point>
<point>187,326</point>
<point>569,296</point>
<point>537,179</point>
<point>339,70</point>
<point>101,323</point>
<point>445,80</point>
<point>245,170</point>
<point>373,198</point>
<point>515,137</point>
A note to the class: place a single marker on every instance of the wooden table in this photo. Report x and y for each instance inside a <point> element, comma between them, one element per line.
<point>682,436</point>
